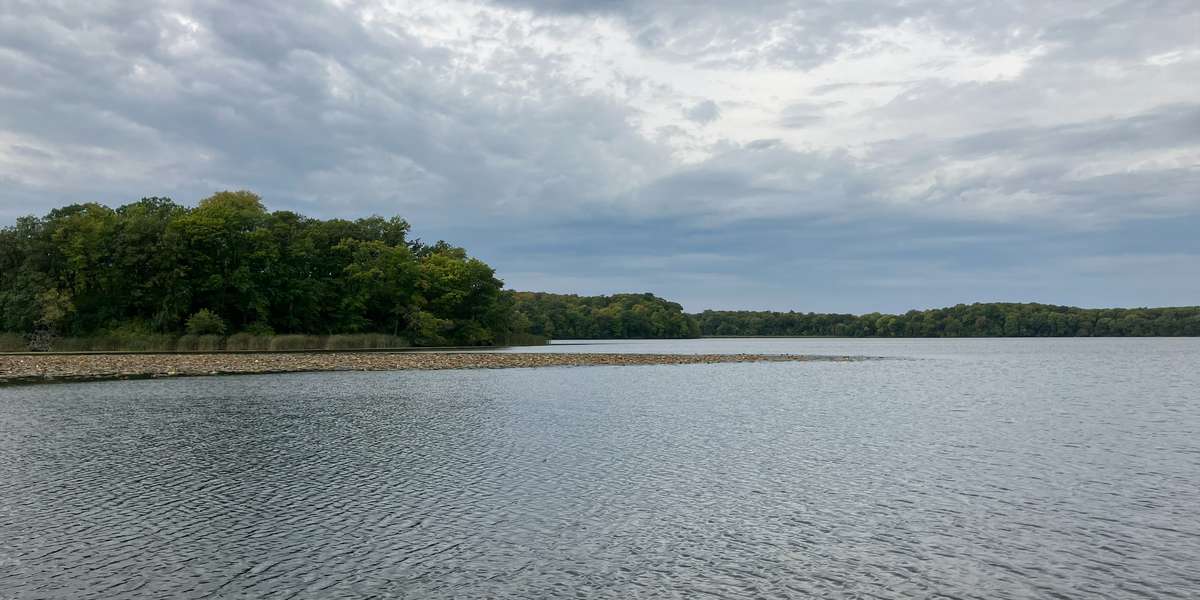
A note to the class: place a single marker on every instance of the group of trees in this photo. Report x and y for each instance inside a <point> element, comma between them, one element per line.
<point>228,265</point>
<point>974,320</point>
<point>603,317</point>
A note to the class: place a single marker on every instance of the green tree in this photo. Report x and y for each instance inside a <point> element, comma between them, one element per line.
<point>218,249</point>
<point>380,287</point>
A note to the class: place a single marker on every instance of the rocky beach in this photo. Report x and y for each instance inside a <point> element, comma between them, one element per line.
<point>48,368</point>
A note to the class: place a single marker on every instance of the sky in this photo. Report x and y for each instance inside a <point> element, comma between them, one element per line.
<point>840,156</point>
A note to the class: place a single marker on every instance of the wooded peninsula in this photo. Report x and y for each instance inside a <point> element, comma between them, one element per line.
<point>229,275</point>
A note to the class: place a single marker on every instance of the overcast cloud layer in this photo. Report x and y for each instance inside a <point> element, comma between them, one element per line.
<point>842,156</point>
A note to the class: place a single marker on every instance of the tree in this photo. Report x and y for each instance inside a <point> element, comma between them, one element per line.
<point>463,292</point>
<point>217,247</point>
<point>617,316</point>
<point>380,287</point>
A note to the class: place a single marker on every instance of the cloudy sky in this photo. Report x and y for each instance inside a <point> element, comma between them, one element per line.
<point>811,155</point>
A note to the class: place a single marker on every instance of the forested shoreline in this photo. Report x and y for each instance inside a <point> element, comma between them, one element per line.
<point>229,275</point>
<point>624,316</point>
<point>995,319</point>
<point>228,266</point>
<point>620,316</point>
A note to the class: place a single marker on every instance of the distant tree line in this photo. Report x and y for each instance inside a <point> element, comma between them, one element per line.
<point>228,265</point>
<point>567,316</point>
<point>963,320</point>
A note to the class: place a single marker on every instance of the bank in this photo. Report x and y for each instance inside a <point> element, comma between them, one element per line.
<point>16,369</point>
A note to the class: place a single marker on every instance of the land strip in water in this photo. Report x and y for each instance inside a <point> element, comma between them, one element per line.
<point>49,368</point>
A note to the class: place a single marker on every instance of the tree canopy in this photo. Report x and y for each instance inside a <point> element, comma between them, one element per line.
<point>963,320</point>
<point>155,265</point>
<point>567,316</point>
<point>229,266</point>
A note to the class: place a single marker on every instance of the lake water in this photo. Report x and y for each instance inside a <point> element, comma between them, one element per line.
<point>998,468</point>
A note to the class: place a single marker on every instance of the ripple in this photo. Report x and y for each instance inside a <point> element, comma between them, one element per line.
<point>760,480</point>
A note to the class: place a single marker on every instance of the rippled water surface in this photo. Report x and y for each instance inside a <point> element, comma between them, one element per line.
<point>963,469</point>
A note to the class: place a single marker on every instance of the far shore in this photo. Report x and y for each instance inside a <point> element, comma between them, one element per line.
<point>18,369</point>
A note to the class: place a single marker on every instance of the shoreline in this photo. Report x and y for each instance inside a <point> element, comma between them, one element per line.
<point>26,369</point>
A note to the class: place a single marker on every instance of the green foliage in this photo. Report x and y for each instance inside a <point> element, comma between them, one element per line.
<point>462,299</point>
<point>55,307</point>
<point>205,322</point>
<point>85,270</point>
<point>601,317</point>
<point>90,277</point>
<point>974,320</point>
<point>259,328</point>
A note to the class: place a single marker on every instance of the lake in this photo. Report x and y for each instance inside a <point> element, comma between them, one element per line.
<point>979,468</point>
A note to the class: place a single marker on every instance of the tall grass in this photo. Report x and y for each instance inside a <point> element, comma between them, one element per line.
<point>247,341</point>
<point>13,342</point>
<point>296,341</point>
<point>362,341</point>
<point>356,341</point>
<point>200,343</point>
<point>132,341</point>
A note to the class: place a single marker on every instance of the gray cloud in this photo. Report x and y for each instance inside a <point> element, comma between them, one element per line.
<point>308,105</point>
<point>804,114</point>
<point>703,112</point>
<point>803,34</point>
<point>1085,174</point>
<point>529,124</point>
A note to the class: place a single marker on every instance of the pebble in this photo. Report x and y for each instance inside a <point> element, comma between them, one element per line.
<point>36,368</point>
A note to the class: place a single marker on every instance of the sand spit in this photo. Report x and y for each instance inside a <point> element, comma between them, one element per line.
<point>43,368</point>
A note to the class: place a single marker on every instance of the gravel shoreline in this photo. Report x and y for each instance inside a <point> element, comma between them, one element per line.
<point>49,368</point>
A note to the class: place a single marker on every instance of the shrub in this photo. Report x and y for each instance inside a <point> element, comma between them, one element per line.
<point>42,340</point>
<point>205,322</point>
